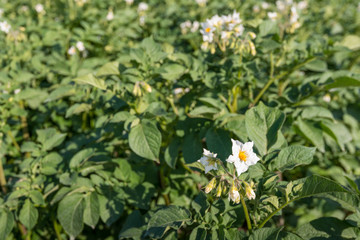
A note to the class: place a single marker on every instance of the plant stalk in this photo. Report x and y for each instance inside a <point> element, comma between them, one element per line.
<point>273,79</point>
<point>246,212</point>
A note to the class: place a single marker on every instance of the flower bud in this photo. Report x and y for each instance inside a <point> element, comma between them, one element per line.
<point>211,185</point>
<point>252,35</point>
<point>234,194</point>
<point>249,191</point>
<point>252,48</point>
<point>219,190</point>
<point>137,90</point>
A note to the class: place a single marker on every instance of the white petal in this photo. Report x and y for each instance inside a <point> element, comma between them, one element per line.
<point>248,147</point>
<point>252,159</point>
<point>231,159</point>
<point>241,167</point>
<point>236,146</point>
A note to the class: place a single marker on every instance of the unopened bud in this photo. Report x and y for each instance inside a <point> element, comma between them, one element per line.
<point>252,35</point>
<point>211,185</point>
<point>252,48</point>
<point>249,191</point>
<point>137,90</point>
<point>219,190</point>
<point>146,86</point>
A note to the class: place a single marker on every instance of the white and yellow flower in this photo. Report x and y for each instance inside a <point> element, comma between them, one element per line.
<point>208,160</point>
<point>207,31</point>
<point>249,190</point>
<point>242,156</point>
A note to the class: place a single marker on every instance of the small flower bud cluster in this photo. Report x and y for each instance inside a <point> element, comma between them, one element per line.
<point>201,3</point>
<point>288,11</point>
<point>189,26</point>
<point>242,157</point>
<point>80,3</point>
<point>141,85</point>
<point>225,32</point>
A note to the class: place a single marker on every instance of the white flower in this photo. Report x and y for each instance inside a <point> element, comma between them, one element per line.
<point>80,46</point>
<point>110,15</point>
<point>143,7</point>
<point>72,51</point>
<point>208,160</point>
<point>294,16</point>
<point>239,30</point>
<point>5,27</point>
<point>234,194</point>
<point>303,4</point>
<point>39,8</point>
<point>195,26</point>
<point>207,31</point>
<point>201,3</point>
<point>280,5</point>
<point>272,15</point>
<point>327,98</point>
<point>16,91</point>
<point>265,5</point>
<point>24,8</point>
<point>256,9</point>
<point>232,20</point>
<point>216,21</point>
<point>242,156</point>
<point>129,2</point>
<point>142,20</point>
<point>225,35</point>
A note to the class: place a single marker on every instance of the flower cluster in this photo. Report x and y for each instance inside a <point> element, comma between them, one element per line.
<point>225,31</point>
<point>189,26</point>
<point>80,47</point>
<point>5,27</point>
<point>142,8</point>
<point>242,158</point>
<point>289,12</point>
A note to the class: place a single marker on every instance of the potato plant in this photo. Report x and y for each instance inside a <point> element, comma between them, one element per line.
<point>187,119</point>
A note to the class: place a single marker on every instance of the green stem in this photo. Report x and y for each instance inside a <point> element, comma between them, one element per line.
<point>273,213</point>
<point>2,178</point>
<point>273,79</point>
<point>57,229</point>
<point>246,212</point>
<point>13,140</point>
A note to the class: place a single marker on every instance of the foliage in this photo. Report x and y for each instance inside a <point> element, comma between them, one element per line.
<point>106,106</point>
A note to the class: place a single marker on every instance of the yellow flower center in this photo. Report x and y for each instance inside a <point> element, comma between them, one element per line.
<point>207,30</point>
<point>243,156</point>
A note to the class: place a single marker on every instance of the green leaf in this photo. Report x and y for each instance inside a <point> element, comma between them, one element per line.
<point>172,152</point>
<point>316,66</point>
<point>81,157</point>
<point>198,233</point>
<point>171,216</point>
<point>343,82</point>
<point>54,141</point>
<point>70,214</point>
<point>145,140</point>
<point>327,228</point>
<point>263,125</point>
<point>172,72</point>
<point>28,215</point>
<point>268,27</point>
<point>92,80</point>
<point>6,223</point>
<point>316,112</point>
<point>291,157</point>
<point>49,138</point>
<point>192,148</point>
<point>111,205</point>
<point>110,68</point>
<point>61,92</point>
<point>91,212</point>
<point>77,108</point>
<point>338,132</point>
<point>351,41</point>
<point>218,141</point>
<point>133,226</point>
<point>312,133</point>
<point>265,234</point>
